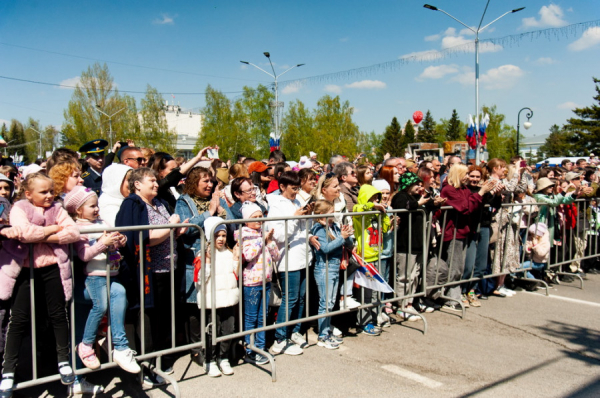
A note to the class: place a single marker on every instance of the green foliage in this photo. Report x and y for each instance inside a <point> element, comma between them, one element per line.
<point>587,126</point>
<point>427,131</point>
<point>298,131</point>
<point>154,131</point>
<point>409,135</point>
<point>456,130</point>
<point>335,132</point>
<point>501,137</point>
<point>254,106</point>
<point>83,122</point>
<point>222,126</point>
<point>369,144</point>
<point>559,142</point>
<point>392,141</point>
<point>17,140</point>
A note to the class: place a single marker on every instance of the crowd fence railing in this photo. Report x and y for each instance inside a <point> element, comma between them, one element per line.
<point>411,281</point>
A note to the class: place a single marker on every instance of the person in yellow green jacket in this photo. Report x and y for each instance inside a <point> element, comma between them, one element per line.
<point>369,243</point>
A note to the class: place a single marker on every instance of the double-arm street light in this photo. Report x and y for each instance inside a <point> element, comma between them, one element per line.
<point>275,105</point>
<point>476,31</point>
<point>39,143</point>
<point>110,137</point>
<point>526,124</point>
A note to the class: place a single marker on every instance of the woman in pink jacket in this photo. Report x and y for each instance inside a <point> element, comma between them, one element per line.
<point>48,226</point>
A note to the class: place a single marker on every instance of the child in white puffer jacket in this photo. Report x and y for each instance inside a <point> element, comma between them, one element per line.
<point>227,295</point>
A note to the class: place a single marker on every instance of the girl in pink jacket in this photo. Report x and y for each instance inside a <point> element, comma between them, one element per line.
<point>46,225</point>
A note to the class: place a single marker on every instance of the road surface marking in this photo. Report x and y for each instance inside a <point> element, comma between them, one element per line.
<point>407,374</point>
<point>572,300</point>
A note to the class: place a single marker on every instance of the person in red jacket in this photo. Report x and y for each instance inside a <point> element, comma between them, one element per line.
<point>463,203</point>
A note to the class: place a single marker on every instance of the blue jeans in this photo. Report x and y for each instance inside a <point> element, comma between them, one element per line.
<point>293,300</point>
<point>537,268</point>
<point>476,260</point>
<point>253,312</point>
<point>327,279</point>
<point>95,290</point>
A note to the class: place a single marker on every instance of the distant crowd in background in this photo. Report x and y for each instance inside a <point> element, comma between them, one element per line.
<point>469,234</point>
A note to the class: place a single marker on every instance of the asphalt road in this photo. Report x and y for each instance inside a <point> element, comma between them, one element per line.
<point>529,345</point>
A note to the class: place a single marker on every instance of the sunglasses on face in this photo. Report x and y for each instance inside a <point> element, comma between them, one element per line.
<point>139,160</point>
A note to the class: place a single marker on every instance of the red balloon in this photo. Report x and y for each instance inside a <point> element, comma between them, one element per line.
<point>417,117</point>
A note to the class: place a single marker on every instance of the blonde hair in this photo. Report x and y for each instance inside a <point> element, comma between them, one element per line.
<point>323,206</point>
<point>456,174</point>
<point>26,185</point>
<point>324,182</point>
<point>238,170</point>
<point>60,173</point>
<point>512,169</point>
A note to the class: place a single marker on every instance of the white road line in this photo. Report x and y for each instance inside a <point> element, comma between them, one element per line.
<point>407,374</point>
<point>572,300</point>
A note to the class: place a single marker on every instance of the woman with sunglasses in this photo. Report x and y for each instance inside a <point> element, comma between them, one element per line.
<point>243,190</point>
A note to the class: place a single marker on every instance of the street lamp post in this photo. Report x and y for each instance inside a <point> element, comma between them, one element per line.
<point>526,124</point>
<point>476,31</point>
<point>110,137</point>
<point>276,105</point>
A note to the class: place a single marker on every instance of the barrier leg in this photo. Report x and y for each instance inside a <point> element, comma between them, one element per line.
<point>541,282</point>
<point>157,370</point>
<point>457,301</point>
<point>266,354</point>
<point>416,313</point>
<point>574,276</point>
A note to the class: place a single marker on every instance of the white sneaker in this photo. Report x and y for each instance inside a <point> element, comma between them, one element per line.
<point>125,359</point>
<point>507,292</point>
<point>85,387</point>
<point>212,369</point>
<point>298,339</point>
<point>225,367</point>
<point>286,347</point>
<point>336,332</point>
<point>407,316</point>
<point>383,320</point>
<point>349,303</point>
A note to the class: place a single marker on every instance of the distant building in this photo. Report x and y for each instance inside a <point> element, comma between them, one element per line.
<point>529,146</point>
<point>187,125</point>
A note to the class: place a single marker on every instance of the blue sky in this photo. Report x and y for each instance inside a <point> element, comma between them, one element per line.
<point>180,47</point>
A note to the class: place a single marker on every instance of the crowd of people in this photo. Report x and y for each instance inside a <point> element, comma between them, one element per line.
<point>502,219</point>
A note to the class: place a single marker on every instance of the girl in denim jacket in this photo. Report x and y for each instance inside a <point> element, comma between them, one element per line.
<point>332,241</point>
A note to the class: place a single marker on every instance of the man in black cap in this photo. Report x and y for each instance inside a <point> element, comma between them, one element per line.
<point>94,157</point>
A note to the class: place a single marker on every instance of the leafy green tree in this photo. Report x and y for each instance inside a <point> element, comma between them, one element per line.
<point>17,140</point>
<point>559,142</point>
<point>257,118</point>
<point>83,122</point>
<point>392,141</point>
<point>427,131</point>
<point>369,144</point>
<point>501,137</point>
<point>298,131</point>
<point>456,130</point>
<point>222,126</point>
<point>587,125</point>
<point>409,135</point>
<point>334,129</point>
<point>154,130</point>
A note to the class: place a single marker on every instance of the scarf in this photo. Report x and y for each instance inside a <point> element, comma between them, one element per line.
<point>203,204</point>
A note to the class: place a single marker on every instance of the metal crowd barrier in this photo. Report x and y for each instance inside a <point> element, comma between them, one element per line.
<point>143,357</point>
<point>423,289</point>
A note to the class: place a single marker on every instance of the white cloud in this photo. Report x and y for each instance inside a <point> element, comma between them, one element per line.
<point>333,88</point>
<point>367,85</point>
<point>545,61</point>
<point>466,31</point>
<point>569,105</point>
<point>452,40</point>
<point>291,88</point>
<point>550,16</point>
<point>71,82</point>
<point>432,38</point>
<point>165,20</point>
<point>437,72</point>
<point>590,38</point>
<point>503,77</point>
<point>4,121</point>
<point>344,39</point>
<point>243,66</point>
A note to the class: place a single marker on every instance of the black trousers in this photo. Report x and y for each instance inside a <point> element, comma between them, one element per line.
<point>48,287</point>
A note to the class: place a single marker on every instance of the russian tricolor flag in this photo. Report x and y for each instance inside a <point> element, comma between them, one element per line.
<point>368,276</point>
<point>471,138</point>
